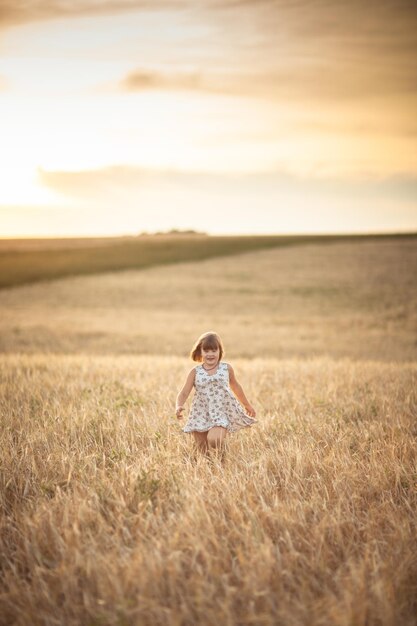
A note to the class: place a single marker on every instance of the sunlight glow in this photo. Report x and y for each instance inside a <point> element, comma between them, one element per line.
<point>76,135</point>
<point>21,186</point>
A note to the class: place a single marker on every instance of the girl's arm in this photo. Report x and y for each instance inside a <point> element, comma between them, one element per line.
<point>239,393</point>
<point>184,393</point>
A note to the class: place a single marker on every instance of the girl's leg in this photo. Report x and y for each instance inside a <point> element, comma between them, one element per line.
<point>201,441</point>
<point>216,437</point>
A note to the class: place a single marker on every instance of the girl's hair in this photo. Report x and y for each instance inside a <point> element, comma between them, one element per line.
<point>207,341</point>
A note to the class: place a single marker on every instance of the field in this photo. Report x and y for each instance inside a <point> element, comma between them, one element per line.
<point>24,261</point>
<point>108,515</point>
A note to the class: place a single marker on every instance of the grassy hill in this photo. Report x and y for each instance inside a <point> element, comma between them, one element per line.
<point>355,299</point>
<point>27,261</point>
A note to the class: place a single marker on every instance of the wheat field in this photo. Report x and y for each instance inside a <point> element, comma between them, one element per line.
<point>343,300</point>
<point>109,515</point>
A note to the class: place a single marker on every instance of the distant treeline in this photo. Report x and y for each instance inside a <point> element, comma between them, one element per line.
<point>20,264</point>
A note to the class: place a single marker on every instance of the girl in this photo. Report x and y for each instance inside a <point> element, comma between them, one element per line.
<point>214,410</point>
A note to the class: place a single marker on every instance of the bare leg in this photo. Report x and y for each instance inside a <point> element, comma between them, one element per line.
<point>201,441</point>
<point>216,438</point>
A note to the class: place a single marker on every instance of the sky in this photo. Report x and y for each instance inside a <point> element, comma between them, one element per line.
<point>222,116</point>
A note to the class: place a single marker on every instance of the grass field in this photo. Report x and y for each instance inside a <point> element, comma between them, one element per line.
<point>355,299</point>
<point>107,514</point>
<point>24,261</point>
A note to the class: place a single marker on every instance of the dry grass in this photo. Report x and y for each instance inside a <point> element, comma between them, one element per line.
<point>356,300</point>
<point>107,518</point>
<point>27,261</point>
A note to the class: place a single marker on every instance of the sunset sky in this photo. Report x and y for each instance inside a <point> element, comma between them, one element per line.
<point>232,116</point>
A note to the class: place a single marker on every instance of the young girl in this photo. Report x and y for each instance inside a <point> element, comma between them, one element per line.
<point>215,409</point>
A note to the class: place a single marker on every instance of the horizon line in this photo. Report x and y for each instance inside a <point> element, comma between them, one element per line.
<point>192,233</point>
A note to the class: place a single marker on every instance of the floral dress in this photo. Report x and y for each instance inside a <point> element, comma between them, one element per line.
<point>214,403</point>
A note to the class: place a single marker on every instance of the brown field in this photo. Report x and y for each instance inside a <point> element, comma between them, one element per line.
<point>25,261</point>
<point>107,514</point>
<point>349,299</point>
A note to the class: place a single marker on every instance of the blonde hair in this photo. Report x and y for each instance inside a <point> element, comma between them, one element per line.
<point>209,340</point>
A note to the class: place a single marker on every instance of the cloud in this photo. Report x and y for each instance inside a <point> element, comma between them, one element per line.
<point>90,183</point>
<point>327,80</point>
<point>326,48</point>
<point>14,12</point>
<point>147,80</point>
<point>320,49</point>
<point>131,199</point>
<point>101,182</point>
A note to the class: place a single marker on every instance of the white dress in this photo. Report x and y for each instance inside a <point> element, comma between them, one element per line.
<point>214,403</point>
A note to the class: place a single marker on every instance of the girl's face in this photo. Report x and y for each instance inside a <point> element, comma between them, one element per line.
<point>210,356</point>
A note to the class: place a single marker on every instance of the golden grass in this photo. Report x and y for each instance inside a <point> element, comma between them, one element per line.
<point>346,299</point>
<point>27,261</point>
<point>107,517</point>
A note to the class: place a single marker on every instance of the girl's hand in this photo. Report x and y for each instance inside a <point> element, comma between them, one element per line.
<point>250,410</point>
<point>178,412</point>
